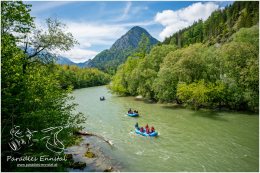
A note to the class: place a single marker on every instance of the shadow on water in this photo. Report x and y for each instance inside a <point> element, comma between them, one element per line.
<point>173,106</point>
<point>211,114</point>
<point>246,113</point>
<point>214,115</point>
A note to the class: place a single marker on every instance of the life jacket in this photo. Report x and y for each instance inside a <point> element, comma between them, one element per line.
<point>147,130</point>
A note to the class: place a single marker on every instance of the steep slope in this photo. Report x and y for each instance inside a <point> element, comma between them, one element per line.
<point>63,60</point>
<point>66,61</point>
<point>108,60</point>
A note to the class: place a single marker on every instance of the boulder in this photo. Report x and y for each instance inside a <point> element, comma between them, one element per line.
<point>78,165</point>
<point>108,169</point>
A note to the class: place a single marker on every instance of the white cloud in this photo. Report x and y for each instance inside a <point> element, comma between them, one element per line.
<point>130,11</point>
<point>89,34</point>
<point>78,54</point>
<point>127,9</point>
<point>88,31</point>
<point>179,19</point>
<point>124,12</point>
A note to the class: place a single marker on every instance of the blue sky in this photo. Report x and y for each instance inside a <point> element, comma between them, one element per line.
<point>97,25</point>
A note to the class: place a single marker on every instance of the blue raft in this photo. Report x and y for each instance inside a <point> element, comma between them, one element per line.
<point>133,114</point>
<point>145,134</point>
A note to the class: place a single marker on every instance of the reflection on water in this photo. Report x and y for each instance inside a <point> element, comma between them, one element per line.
<point>188,140</point>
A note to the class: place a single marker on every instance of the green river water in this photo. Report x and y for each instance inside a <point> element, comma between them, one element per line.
<point>188,140</point>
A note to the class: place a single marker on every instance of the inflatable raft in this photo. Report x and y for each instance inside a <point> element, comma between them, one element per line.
<point>153,134</point>
<point>133,114</point>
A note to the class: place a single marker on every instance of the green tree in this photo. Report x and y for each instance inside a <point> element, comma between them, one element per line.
<point>76,77</point>
<point>34,99</point>
<point>15,18</point>
<point>39,46</point>
<point>195,94</point>
<point>122,80</point>
<point>201,94</point>
<point>148,69</point>
<point>240,61</point>
<point>184,65</point>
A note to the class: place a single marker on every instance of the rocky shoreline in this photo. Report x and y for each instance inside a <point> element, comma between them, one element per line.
<point>89,157</point>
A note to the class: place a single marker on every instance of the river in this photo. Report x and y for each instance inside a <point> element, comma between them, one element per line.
<point>188,140</point>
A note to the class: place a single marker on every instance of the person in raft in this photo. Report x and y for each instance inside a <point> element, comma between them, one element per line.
<point>136,126</point>
<point>147,130</point>
<point>130,111</point>
<point>146,127</point>
<point>142,129</point>
<point>135,111</point>
<point>152,129</point>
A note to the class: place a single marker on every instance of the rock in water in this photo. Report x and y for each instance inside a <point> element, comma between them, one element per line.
<point>108,169</point>
<point>89,154</point>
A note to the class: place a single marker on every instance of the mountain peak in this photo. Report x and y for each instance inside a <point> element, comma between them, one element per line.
<point>137,28</point>
<point>127,44</point>
<point>131,39</point>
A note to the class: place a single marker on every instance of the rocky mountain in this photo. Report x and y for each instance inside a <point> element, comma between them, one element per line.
<point>64,60</point>
<point>108,60</point>
<point>83,64</point>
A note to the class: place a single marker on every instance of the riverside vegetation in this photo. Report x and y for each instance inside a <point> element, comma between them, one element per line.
<point>35,91</point>
<point>210,64</point>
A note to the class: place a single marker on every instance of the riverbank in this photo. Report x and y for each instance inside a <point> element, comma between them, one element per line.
<point>186,106</point>
<point>88,156</point>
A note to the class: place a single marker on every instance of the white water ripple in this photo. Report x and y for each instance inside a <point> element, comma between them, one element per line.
<point>139,152</point>
<point>165,157</point>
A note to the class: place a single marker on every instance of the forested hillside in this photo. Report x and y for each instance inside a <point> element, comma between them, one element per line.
<point>76,77</point>
<point>219,26</point>
<point>193,71</point>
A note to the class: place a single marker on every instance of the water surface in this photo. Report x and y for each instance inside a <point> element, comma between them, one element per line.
<point>188,140</point>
